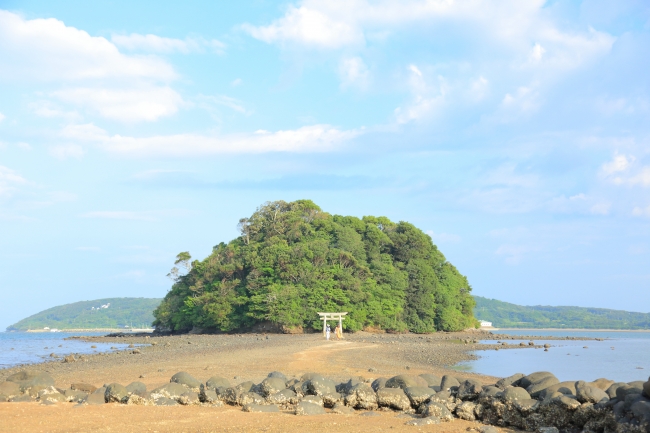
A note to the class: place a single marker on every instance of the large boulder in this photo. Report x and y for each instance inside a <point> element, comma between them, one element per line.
<point>27,380</point>
<point>75,396</point>
<point>319,385</point>
<point>136,388</point>
<point>186,379</point>
<point>95,398</point>
<point>116,393</point>
<point>85,387</point>
<point>379,383</point>
<point>361,396</point>
<point>51,395</point>
<point>532,378</point>
<point>432,379</point>
<point>345,387</point>
<point>404,381</point>
<point>536,388</point>
<point>171,391</point>
<point>393,398</point>
<point>217,382</point>
<point>278,375</point>
<point>189,398</point>
<point>286,396</point>
<point>438,410</point>
<point>448,382</point>
<point>249,398</point>
<point>611,391</point>
<point>330,400</point>
<point>513,393</point>
<point>418,394</point>
<point>602,383</point>
<point>625,390</point>
<point>566,388</point>
<point>469,389</point>
<point>268,408</point>
<point>466,410</point>
<point>590,394</point>
<point>9,389</point>
<point>306,408</point>
<point>646,388</point>
<point>509,381</point>
<point>272,385</point>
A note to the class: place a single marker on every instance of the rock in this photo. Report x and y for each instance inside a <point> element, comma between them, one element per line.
<point>319,385</point>
<point>69,359</point>
<point>20,398</point>
<point>95,399</point>
<point>532,378</point>
<point>438,410</point>
<point>9,389</point>
<point>85,387</point>
<point>249,398</point>
<point>75,396</point>
<point>313,399</point>
<point>469,389</point>
<point>432,379</point>
<point>526,406</point>
<point>269,408</point>
<point>186,379</point>
<point>164,401</point>
<point>404,381</point>
<point>217,382</point>
<point>566,388</point>
<point>209,396</point>
<point>418,394</point>
<point>136,400</point>
<point>536,388</point>
<point>329,400</point>
<point>51,395</point>
<point>305,408</point>
<point>393,398</point>
<point>379,383</point>
<point>509,381</point>
<point>590,394</point>
<point>373,413</point>
<point>170,390</point>
<point>489,391</point>
<point>342,409</point>
<point>447,382</point>
<point>31,379</point>
<point>465,411</point>
<point>361,396</point>
<point>286,396</point>
<point>345,387</point>
<point>272,385</point>
<point>641,411</point>
<point>137,388</point>
<point>601,383</point>
<point>424,421</point>
<point>189,398</point>
<point>547,430</point>
<point>513,393</point>
<point>624,390</point>
<point>646,388</point>
<point>488,429</point>
<point>278,375</point>
<point>116,393</point>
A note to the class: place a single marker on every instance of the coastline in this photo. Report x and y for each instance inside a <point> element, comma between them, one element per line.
<point>72,330</point>
<point>568,329</point>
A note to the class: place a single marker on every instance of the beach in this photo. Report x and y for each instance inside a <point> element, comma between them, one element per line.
<point>240,358</point>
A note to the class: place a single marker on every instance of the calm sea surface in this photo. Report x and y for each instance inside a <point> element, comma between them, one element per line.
<point>622,356</point>
<point>33,347</point>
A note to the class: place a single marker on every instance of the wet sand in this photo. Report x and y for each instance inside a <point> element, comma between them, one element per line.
<point>240,358</point>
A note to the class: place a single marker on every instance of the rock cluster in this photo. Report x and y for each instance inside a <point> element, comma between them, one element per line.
<point>534,402</point>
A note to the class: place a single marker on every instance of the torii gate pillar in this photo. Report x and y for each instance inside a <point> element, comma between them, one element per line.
<point>332,316</point>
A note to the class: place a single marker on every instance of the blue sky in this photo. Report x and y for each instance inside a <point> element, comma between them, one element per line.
<point>516,133</point>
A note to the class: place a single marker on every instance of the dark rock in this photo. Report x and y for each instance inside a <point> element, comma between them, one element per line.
<point>418,394</point>
<point>116,393</point>
<point>329,400</point>
<point>9,389</point>
<point>361,396</point>
<point>75,396</point>
<point>513,393</point>
<point>469,389</point>
<point>249,398</point>
<point>641,411</point>
<point>601,383</point>
<point>342,409</point>
<point>447,382</point>
<point>526,406</point>
<point>269,408</point>
<point>315,399</point>
<point>404,381</point>
<point>508,381</point>
<point>345,387</point>
<point>536,388</point>
<point>209,396</point>
<point>611,391</point>
<point>137,388</point>
<point>566,388</point>
<point>590,394</point>
<point>424,421</point>
<point>489,391</point>
<point>31,379</point>
<point>532,378</point>
<point>217,382</point>
<point>393,398</point>
<point>646,388</point>
<point>547,430</point>
<point>189,398</point>
<point>286,396</point>
<point>186,379</point>
<point>85,387</point>
<point>20,398</point>
<point>305,408</point>
<point>488,429</point>
<point>278,375</point>
<point>164,401</point>
<point>432,379</point>
<point>171,390</point>
<point>51,395</point>
<point>95,399</point>
<point>272,385</point>
<point>623,390</point>
<point>379,383</point>
<point>319,385</point>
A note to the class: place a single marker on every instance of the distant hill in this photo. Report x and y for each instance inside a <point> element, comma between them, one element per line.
<point>506,315</point>
<point>122,312</point>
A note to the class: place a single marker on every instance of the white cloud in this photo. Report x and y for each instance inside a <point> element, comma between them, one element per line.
<point>524,100</point>
<point>226,101</point>
<point>65,151</point>
<point>157,44</point>
<point>47,50</point>
<point>48,109</point>
<point>2,117</point>
<point>536,53</point>
<point>143,103</point>
<point>426,99</point>
<point>619,164</point>
<point>236,82</point>
<point>10,180</point>
<point>641,211</point>
<point>601,208</point>
<point>624,170</point>
<point>315,138</point>
<point>354,73</point>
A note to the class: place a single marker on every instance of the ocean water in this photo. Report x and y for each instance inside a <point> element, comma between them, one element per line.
<point>33,347</point>
<point>622,356</point>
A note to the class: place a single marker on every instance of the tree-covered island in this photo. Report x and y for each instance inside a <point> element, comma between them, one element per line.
<point>293,260</point>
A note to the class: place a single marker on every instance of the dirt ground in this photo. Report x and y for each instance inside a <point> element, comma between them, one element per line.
<point>238,358</point>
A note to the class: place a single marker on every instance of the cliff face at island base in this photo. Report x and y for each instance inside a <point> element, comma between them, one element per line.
<point>536,402</point>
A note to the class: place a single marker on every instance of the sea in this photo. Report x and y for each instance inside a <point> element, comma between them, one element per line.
<point>622,356</point>
<point>18,348</point>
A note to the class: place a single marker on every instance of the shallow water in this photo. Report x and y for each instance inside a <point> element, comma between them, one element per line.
<point>33,347</point>
<point>623,356</point>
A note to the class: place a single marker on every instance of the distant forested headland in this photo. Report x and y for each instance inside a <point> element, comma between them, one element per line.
<point>117,313</point>
<point>294,260</point>
<point>506,315</point>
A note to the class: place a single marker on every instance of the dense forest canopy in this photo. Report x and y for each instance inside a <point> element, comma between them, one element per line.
<point>293,260</point>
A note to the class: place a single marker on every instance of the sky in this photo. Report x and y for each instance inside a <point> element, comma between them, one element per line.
<point>515,133</point>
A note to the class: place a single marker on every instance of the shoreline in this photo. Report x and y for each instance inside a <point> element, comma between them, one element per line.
<point>44,331</point>
<point>569,329</point>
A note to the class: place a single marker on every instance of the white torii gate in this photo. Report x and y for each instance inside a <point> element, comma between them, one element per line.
<point>332,316</point>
